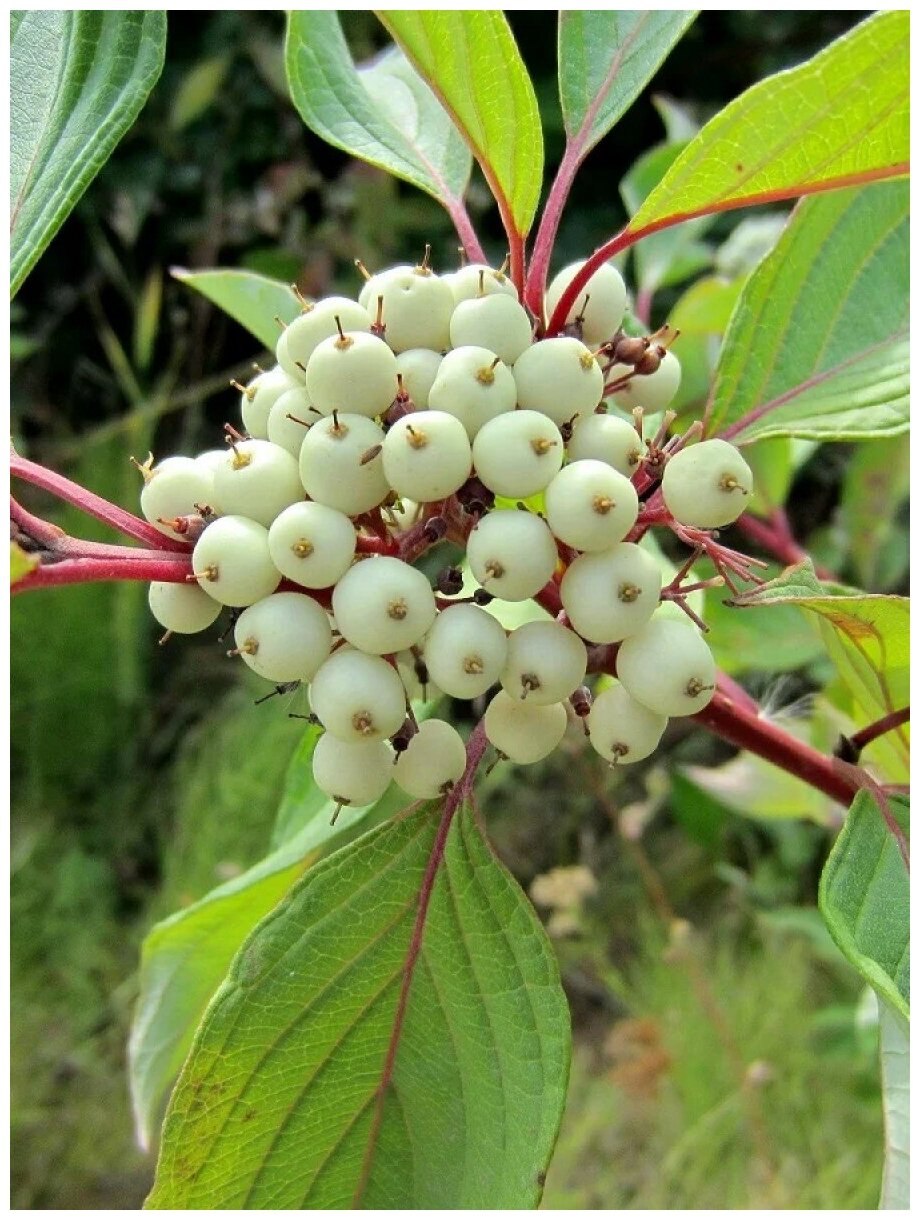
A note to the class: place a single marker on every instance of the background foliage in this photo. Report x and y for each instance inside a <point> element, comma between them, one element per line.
<point>725,1050</point>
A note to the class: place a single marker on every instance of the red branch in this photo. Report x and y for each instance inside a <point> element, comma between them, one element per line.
<point>774,536</point>
<point>475,750</point>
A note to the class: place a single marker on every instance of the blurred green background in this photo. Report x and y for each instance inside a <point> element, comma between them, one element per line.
<point>725,1052</point>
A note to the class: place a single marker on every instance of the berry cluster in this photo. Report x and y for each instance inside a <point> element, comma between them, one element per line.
<point>426,410</point>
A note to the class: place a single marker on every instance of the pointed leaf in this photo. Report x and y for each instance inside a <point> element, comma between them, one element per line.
<point>251,299</point>
<point>384,114</point>
<point>818,345</point>
<point>867,636</point>
<point>865,899</point>
<point>895,1059</point>
<point>471,61</point>
<point>305,1088</point>
<point>21,563</point>
<point>606,58</point>
<point>78,79</point>
<point>841,117</point>
<point>185,958</point>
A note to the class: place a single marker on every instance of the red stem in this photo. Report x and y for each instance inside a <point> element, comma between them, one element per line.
<point>476,748</point>
<point>456,209</point>
<point>143,565</point>
<point>549,227</point>
<point>743,728</point>
<point>775,537</point>
<point>95,506</point>
<point>878,728</point>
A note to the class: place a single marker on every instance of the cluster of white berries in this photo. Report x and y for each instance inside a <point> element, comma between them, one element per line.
<point>427,405</point>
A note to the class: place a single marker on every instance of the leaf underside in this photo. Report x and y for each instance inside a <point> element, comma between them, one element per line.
<point>818,343</point>
<point>841,117</point>
<point>78,79</point>
<point>278,1105</point>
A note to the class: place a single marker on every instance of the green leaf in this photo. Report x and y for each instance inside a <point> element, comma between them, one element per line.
<point>777,639</point>
<point>280,1102</point>
<point>839,118</point>
<point>384,114</point>
<point>875,486</point>
<point>78,80</point>
<point>471,61</point>
<point>606,58</point>
<point>198,91</point>
<point>21,563</point>
<point>895,1062</point>
<point>864,897</point>
<point>818,344</point>
<point>673,254</point>
<point>866,635</point>
<point>251,299</point>
<point>185,958</point>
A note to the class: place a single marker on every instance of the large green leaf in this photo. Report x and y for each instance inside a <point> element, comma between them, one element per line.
<point>875,487</point>
<point>606,58</point>
<point>307,1088</point>
<point>839,118</point>
<point>471,61</point>
<point>186,957</point>
<point>895,1060</point>
<point>818,344</point>
<point>867,636</point>
<point>251,299</point>
<point>384,114</point>
<point>78,79</point>
<point>864,897</point>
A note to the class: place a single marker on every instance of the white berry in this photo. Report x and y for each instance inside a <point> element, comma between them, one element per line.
<point>607,438</point>
<point>477,279</point>
<point>285,637</point>
<point>172,489</point>
<point>257,480</point>
<point>432,762</point>
<point>651,391</point>
<point>545,663</point>
<point>707,485</point>
<point>499,323</point>
<point>523,731</point>
<point>340,464</point>
<point>354,373</point>
<point>289,419</point>
<point>232,562</point>
<point>518,454</point>
<point>181,608</point>
<point>358,697</point>
<point>600,304</point>
<point>610,594</point>
<point>416,308</point>
<point>465,651</point>
<point>512,554</point>
<point>352,773</point>
<point>591,506</point>
<point>312,544</point>
<point>418,367</point>
<point>668,666</point>
<point>383,605</point>
<point>621,729</point>
<point>474,385</point>
<point>559,377</point>
<point>301,338</point>
<point>260,395</point>
<point>426,456</point>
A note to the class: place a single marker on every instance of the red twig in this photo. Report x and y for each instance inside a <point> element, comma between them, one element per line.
<point>774,536</point>
<point>89,502</point>
<point>475,750</point>
<point>858,741</point>
<point>137,565</point>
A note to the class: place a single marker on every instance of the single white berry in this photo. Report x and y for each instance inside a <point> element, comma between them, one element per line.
<point>352,773</point>
<point>465,651</point>
<point>651,391</point>
<point>232,563</point>
<point>433,761</point>
<point>416,307</point>
<point>426,456</point>
<point>312,544</point>
<point>560,378</point>
<point>668,666</point>
<point>610,594</point>
<point>474,385</point>
<point>183,608</point>
<point>607,438</point>
<point>499,323</point>
<point>590,506</point>
<point>383,605</point>
<point>621,729</point>
<point>599,306</point>
<point>303,336</point>
<point>523,731</point>
<point>261,394</point>
<point>341,466</point>
<point>285,637</point>
<point>257,480</point>
<point>545,663</point>
<point>512,554</point>
<point>477,279</point>
<point>518,454</point>
<point>707,485</point>
<point>358,697</point>
<point>173,488</point>
<point>289,419</point>
<point>353,373</point>
<point>418,367</point>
